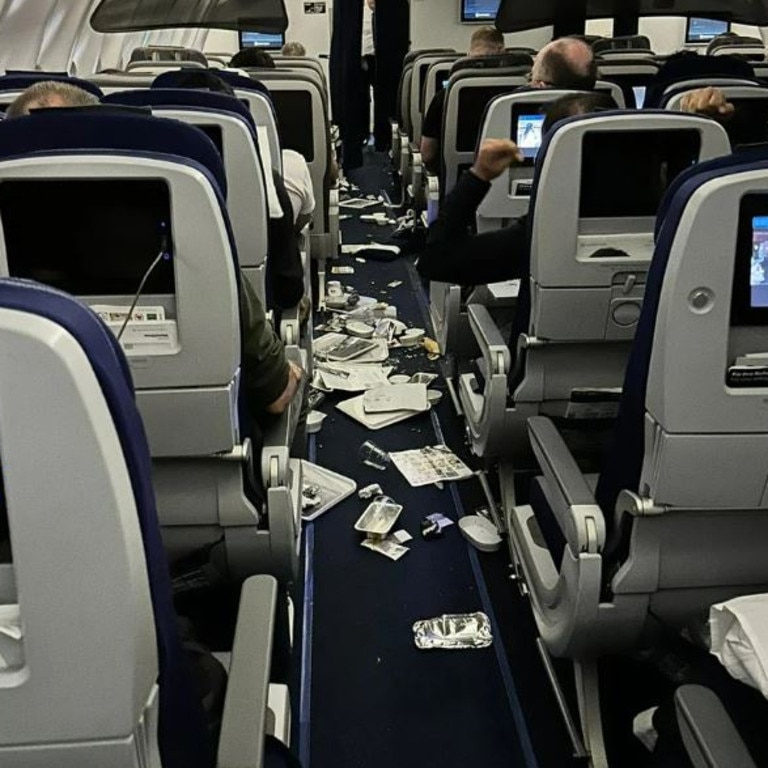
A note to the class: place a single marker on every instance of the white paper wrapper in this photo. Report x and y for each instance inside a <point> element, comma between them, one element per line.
<point>739,638</point>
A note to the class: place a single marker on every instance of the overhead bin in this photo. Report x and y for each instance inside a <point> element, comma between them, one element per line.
<point>515,16</point>
<point>139,15</point>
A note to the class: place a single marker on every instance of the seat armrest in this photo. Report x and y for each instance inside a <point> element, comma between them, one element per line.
<point>567,490</point>
<point>492,344</point>
<point>709,735</point>
<point>275,454</point>
<point>244,722</point>
<point>290,326</point>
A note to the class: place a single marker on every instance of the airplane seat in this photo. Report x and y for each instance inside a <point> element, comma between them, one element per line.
<point>230,125</point>
<point>423,88</point>
<point>749,122</point>
<point>252,198</point>
<point>259,103</point>
<point>302,109</point>
<point>750,48</point>
<point>622,43</point>
<point>632,74</point>
<point>663,533</point>
<point>687,66</point>
<point>92,515</point>
<point>507,198</point>
<point>162,184</point>
<point>494,61</point>
<point>168,53</point>
<point>582,282</point>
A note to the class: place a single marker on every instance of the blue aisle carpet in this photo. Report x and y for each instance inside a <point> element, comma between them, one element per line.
<point>375,700</point>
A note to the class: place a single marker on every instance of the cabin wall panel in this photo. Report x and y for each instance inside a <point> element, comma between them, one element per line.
<point>432,26</point>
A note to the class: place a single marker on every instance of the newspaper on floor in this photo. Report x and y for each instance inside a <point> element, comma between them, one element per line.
<point>431,464</point>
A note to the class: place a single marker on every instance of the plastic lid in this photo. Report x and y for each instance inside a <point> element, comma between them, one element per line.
<point>480,532</point>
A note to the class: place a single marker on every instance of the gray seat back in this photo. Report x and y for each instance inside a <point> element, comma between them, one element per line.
<point>592,264</point>
<point>78,518</point>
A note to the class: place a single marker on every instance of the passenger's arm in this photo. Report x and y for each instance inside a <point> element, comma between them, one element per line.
<point>453,254</point>
<point>707,101</point>
<point>430,153</point>
<point>285,274</point>
<point>266,374</point>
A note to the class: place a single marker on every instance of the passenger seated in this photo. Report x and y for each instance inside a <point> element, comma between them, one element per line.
<point>453,254</point>
<point>745,123</point>
<point>293,49</point>
<point>269,380</point>
<point>252,58</point>
<point>48,94</point>
<point>564,63</point>
<point>485,41</point>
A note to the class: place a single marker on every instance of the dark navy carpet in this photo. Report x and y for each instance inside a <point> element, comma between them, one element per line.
<point>375,700</point>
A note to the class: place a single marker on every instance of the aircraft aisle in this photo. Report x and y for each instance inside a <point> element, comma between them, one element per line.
<point>369,696</point>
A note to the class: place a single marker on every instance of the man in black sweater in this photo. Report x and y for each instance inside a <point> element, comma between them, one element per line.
<point>563,63</point>
<point>454,253</point>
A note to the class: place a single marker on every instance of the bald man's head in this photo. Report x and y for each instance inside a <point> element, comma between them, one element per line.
<point>565,63</point>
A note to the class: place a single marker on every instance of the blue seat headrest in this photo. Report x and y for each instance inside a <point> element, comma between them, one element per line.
<point>20,81</point>
<point>692,66</point>
<point>182,97</point>
<point>175,79</point>
<point>91,129</point>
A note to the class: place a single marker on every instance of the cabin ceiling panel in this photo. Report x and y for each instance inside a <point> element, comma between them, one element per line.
<point>514,15</point>
<point>130,15</point>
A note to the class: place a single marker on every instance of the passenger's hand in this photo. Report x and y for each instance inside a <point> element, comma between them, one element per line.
<point>494,157</point>
<point>707,101</point>
<point>294,377</point>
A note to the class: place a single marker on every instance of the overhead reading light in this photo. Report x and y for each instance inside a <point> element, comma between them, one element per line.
<point>241,15</point>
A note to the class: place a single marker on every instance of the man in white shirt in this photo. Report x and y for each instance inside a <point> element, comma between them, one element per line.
<point>298,184</point>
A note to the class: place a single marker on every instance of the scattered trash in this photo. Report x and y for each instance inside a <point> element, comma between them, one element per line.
<point>432,525</point>
<point>379,518</point>
<point>374,489</point>
<point>353,249</point>
<point>400,378</point>
<point>434,396</point>
<point>315,398</point>
<point>358,202</point>
<point>342,270</point>
<point>322,489</point>
<point>401,536</point>
<point>359,329</point>
<point>315,421</point>
<point>480,532</point>
<point>423,378</point>
<point>429,465</point>
<point>430,529</point>
<point>396,397</point>
<point>387,547</point>
<point>373,456</point>
<point>412,337</point>
<point>432,348</point>
<point>338,347</point>
<point>310,497</point>
<point>360,260</point>
<point>453,631</point>
<point>354,409</point>
<point>349,377</point>
<point>394,284</point>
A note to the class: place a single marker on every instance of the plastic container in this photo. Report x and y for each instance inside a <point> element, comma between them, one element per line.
<point>333,488</point>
